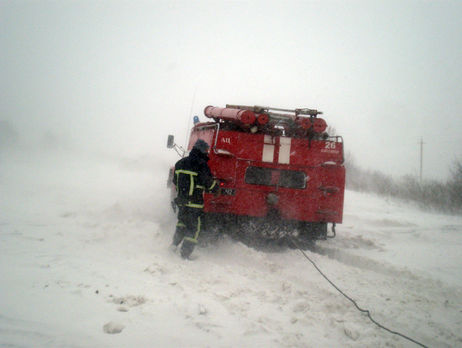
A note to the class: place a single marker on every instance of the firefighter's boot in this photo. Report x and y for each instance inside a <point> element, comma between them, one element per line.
<point>187,248</point>
<point>177,238</point>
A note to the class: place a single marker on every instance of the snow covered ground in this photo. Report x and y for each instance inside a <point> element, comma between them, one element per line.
<point>84,262</point>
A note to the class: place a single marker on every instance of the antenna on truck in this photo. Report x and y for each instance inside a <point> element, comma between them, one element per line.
<point>189,119</point>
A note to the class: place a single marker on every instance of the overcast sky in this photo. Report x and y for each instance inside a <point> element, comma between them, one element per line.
<point>120,76</point>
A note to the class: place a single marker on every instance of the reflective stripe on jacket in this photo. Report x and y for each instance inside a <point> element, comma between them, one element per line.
<point>192,177</point>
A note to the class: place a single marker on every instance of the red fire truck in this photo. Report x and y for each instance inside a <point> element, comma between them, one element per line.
<point>280,173</point>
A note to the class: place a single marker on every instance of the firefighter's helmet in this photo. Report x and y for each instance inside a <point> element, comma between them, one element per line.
<point>201,145</point>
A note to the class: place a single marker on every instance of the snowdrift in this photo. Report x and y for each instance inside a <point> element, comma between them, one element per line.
<point>84,262</point>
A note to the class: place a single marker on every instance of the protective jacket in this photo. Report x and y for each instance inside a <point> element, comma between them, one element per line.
<point>192,177</point>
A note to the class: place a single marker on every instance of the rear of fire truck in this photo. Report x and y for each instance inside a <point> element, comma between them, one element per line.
<point>281,175</point>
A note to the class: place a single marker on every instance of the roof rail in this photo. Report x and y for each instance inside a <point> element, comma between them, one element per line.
<point>281,112</point>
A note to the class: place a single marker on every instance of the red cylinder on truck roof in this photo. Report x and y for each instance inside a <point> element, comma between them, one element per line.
<point>318,125</point>
<point>245,116</point>
<point>304,122</point>
<point>262,119</point>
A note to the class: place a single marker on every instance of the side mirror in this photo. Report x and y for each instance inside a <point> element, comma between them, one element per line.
<point>170,141</point>
<point>171,145</point>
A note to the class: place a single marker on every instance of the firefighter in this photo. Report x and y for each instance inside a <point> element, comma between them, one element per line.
<point>191,178</point>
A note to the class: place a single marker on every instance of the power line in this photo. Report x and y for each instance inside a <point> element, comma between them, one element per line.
<point>421,157</point>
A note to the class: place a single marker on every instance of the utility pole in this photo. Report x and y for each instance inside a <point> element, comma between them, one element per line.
<point>421,157</point>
